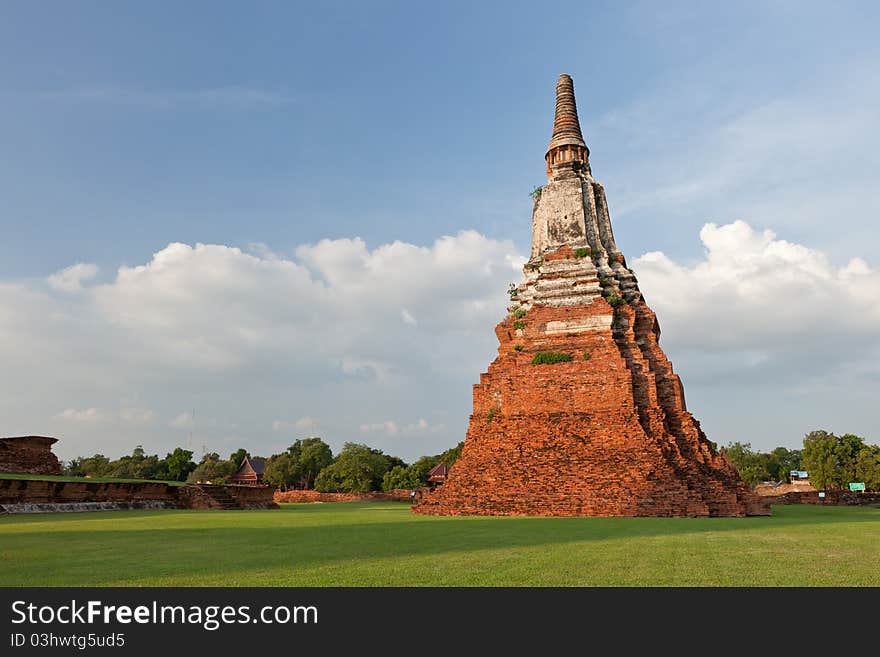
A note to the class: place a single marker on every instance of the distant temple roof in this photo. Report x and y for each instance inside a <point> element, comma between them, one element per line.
<point>438,472</point>
<point>257,464</point>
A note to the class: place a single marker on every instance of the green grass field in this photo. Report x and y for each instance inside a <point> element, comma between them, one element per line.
<point>382,544</point>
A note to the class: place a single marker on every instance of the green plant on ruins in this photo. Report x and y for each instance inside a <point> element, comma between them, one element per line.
<point>519,313</point>
<point>519,324</point>
<point>512,291</point>
<point>583,252</point>
<point>492,413</point>
<point>587,355</point>
<point>517,347</point>
<point>536,192</point>
<point>551,358</point>
<point>614,300</point>
<point>535,266</point>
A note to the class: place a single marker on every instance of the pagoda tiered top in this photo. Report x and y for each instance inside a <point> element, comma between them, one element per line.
<point>567,142</point>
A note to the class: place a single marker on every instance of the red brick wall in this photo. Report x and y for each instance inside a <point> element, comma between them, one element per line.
<point>398,495</point>
<point>608,435</point>
<point>14,491</point>
<point>34,491</point>
<point>28,455</point>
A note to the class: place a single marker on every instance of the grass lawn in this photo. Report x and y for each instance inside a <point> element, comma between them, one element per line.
<point>378,544</point>
<point>91,480</point>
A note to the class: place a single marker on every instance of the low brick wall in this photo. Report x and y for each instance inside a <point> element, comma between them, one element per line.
<point>832,498</point>
<point>41,491</point>
<point>18,492</point>
<point>397,495</point>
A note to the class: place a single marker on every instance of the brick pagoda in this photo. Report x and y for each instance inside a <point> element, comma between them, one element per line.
<point>581,413</point>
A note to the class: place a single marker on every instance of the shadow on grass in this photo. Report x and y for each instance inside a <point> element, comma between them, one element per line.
<point>201,543</point>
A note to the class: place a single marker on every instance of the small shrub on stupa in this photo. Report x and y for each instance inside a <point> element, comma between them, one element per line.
<point>551,358</point>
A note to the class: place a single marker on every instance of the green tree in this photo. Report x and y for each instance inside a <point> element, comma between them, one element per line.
<point>753,467</point>
<point>90,466</point>
<point>846,453</point>
<point>451,455</point>
<point>400,477</point>
<point>179,463</point>
<point>238,456</point>
<point>820,458</point>
<point>357,469</point>
<point>785,460</point>
<point>281,470</point>
<point>212,469</point>
<point>420,469</point>
<point>313,456</point>
<point>868,467</point>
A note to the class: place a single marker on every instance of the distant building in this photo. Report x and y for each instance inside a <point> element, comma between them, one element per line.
<point>437,475</point>
<point>29,455</point>
<point>250,472</point>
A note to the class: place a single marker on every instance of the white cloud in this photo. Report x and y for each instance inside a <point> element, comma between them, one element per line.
<point>181,421</point>
<point>392,428</point>
<point>765,299</point>
<point>87,415</point>
<point>70,279</point>
<point>303,424</point>
<point>136,415</point>
<point>407,317</point>
<point>244,338</point>
<point>388,427</point>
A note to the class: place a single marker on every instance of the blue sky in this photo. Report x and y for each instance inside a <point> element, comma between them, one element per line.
<point>269,127</point>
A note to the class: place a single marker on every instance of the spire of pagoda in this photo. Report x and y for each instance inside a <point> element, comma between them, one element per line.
<point>567,143</point>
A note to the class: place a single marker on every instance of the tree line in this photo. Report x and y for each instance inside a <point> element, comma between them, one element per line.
<point>832,461</point>
<point>308,463</point>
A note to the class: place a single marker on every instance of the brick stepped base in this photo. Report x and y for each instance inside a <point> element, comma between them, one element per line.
<point>220,497</point>
<point>229,497</point>
<point>606,434</point>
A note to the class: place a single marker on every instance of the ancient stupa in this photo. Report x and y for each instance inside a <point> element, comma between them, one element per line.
<point>581,413</point>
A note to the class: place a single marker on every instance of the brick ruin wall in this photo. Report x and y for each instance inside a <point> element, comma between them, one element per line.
<point>125,494</point>
<point>299,496</point>
<point>28,455</point>
<point>832,498</point>
<point>606,434</point>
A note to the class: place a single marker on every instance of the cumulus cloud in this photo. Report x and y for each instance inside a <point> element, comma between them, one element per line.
<point>753,291</point>
<point>70,279</point>
<point>303,424</point>
<point>88,415</point>
<point>92,415</point>
<point>388,426</point>
<point>392,428</point>
<point>136,415</point>
<point>244,338</point>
